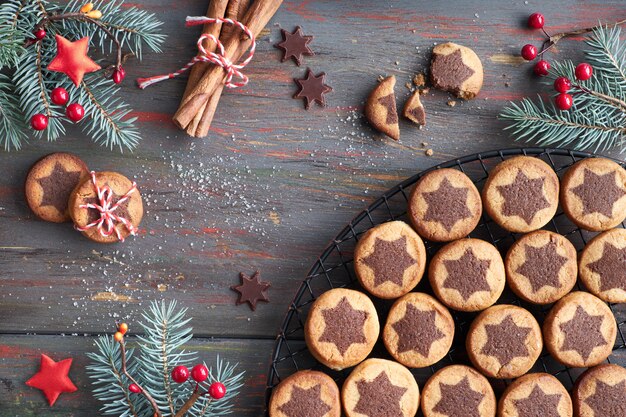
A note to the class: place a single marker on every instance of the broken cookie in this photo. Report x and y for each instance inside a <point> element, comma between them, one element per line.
<point>456,69</point>
<point>414,110</point>
<point>380,108</point>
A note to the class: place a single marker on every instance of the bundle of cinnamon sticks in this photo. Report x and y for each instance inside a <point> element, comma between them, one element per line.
<point>206,80</point>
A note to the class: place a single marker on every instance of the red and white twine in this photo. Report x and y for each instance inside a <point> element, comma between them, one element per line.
<point>107,222</point>
<point>217,58</point>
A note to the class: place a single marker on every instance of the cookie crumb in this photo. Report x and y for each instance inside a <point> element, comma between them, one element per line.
<point>424,144</point>
<point>408,85</point>
<point>424,91</point>
<point>429,152</point>
<point>419,80</point>
<point>451,103</point>
<point>380,78</point>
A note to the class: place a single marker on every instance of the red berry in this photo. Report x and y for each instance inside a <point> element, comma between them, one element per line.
<point>542,67</point>
<point>59,96</point>
<point>583,71</point>
<point>180,374</point>
<point>40,34</point>
<point>536,21</point>
<point>529,52</point>
<point>118,75</point>
<point>217,390</point>
<point>199,373</point>
<point>564,101</point>
<point>75,113</point>
<point>562,84</point>
<point>39,121</point>
<point>134,388</point>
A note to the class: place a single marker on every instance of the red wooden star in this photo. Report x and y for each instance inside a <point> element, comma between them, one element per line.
<point>52,378</point>
<point>72,59</point>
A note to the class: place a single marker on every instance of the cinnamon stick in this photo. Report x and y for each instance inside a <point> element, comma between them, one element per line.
<point>255,19</point>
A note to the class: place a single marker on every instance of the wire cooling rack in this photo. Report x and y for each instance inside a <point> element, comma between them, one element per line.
<point>334,269</point>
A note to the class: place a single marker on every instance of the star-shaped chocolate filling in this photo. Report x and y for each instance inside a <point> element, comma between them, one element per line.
<point>608,400</point>
<point>312,89</point>
<point>599,193</point>
<point>344,326</point>
<point>467,275</point>
<point>524,197</point>
<point>305,403</point>
<point>295,45</point>
<point>583,333</point>
<point>252,290</point>
<point>417,331</point>
<point>389,261</point>
<point>459,400</point>
<point>379,398</point>
<point>611,267</point>
<point>447,205</point>
<point>449,72</point>
<point>538,403</point>
<point>542,266</point>
<point>57,187</point>
<point>506,341</point>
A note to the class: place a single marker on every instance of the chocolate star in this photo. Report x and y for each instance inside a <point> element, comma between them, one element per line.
<point>344,326</point>
<point>379,398</point>
<point>252,290</point>
<point>57,187</point>
<point>506,341</point>
<point>389,103</point>
<point>312,89</point>
<point>449,71</point>
<point>467,275</point>
<point>524,197</point>
<point>608,400</point>
<point>305,403</point>
<point>417,331</point>
<point>459,400</point>
<point>542,266</point>
<point>583,333</point>
<point>294,45</point>
<point>538,403</point>
<point>447,205</point>
<point>599,193</point>
<point>611,267</point>
<point>389,261</point>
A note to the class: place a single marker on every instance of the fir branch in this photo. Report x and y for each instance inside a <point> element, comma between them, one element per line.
<point>12,124</point>
<point>12,38</point>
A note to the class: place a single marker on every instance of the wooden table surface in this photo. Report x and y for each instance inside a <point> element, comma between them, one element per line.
<point>267,190</point>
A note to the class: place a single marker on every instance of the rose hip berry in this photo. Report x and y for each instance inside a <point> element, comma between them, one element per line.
<point>564,101</point>
<point>536,21</point>
<point>583,71</point>
<point>529,52</point>
<point>562,84</point>
<point>541,68</point>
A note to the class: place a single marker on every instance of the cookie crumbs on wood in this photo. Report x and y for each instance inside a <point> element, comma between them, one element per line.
<point>429,152</point>
<point>451,103</point>
<point>419,80</point>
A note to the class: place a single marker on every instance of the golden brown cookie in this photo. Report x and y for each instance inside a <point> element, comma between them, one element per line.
<point>601,392</point>
<point>390,259</point>
<point>445,205</point>
<point>535,395</point>
<point>414,109</point>
<point>49,184</point>
<point>580,330</point>
<point>306,394</point>
<point>521,194</point>
<point>341,328</point>
<point>124,207</point>
<point>456,69</point>
<point>541,267</point>
<point>458,391</point>
<point>593,194</point>
<point>379,387</point>
<point>419,330</point>
<point>467,275</point>
<point>504,341</point>
<point>603,266</point>
<point>380,108</point>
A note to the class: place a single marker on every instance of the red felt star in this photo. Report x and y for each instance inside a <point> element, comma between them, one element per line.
<point>72,59</point>
<point>52,378</point>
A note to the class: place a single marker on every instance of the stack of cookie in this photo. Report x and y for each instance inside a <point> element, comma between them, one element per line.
<point>105,206</point>
<point>521,195</point>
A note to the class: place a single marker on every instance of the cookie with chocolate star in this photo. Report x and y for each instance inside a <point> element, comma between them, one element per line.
<point>533,395</point>
<point>602,266</point>
<point>601,392</point>
<point>456,69</point>
<point>380,108</point>
<point>306,393</point>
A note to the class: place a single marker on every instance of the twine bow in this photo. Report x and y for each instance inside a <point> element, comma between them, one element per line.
<point>108,218</point>
<point>217,58</point>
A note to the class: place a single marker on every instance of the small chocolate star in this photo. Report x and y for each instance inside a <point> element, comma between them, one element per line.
<point>523,197</point>
<point>583,333</point>
<point>538,403</point>
<point>506,341</point>
<point>312,89</point>
<point>344,326</point>
<point>251,290</point>
<point>447,205</point>
<point>57,186</point>
<point>389,261</point>
<point>379,397</point>
<point>294,45</point>
<point>459,400</point>
<point>611,267</point>
<point>599,193</point>
<point>542,266</point>
<point>608,400</point>
<point>305,402</point>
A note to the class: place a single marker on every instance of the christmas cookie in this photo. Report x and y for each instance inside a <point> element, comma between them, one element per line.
<point>541,267</point>
<point>601,392</point>
<point>380,108</point>
<point>445,205</point>
<point>580,330</point>
<point>603,266</point>
<point>414,109</point>
<point>535,395</point>
<point>521,194</point>
<point>467,275</point>
<point>593,194</point>
<point>458,391</point>
<point>504,341</point>
<point>49,184</point>
<point>378,388</point>
<point>106,207</point>
<point>456,69</point>
<point>419,330</point>
<point>306,394</point>
<point>390,259</point>
<point>341,328</point>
